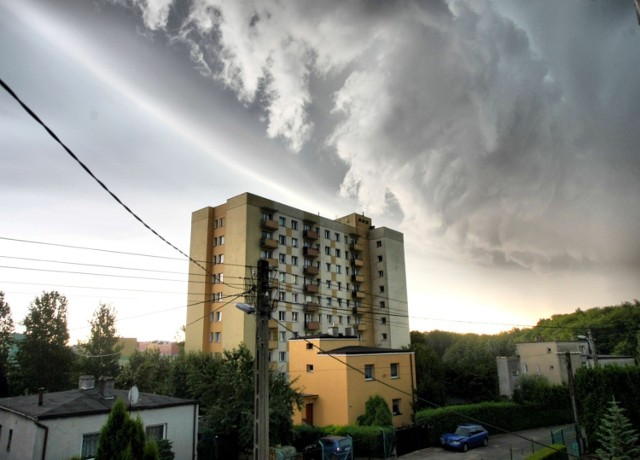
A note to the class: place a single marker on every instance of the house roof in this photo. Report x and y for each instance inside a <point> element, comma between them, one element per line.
<point>75,403</point>
<point>360,350</point>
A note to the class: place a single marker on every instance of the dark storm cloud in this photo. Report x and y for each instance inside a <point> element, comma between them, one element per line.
<point>513,137</point>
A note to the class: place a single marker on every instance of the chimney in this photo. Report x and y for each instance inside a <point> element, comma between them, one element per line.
<point>86,382</point>
<point>40,396</point>
<point>105,387</point>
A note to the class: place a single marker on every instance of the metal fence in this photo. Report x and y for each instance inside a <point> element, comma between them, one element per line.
<point>570,437</point>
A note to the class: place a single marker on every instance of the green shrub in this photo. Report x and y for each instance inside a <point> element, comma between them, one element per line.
<point>552,452</point>
<point>368,441</point>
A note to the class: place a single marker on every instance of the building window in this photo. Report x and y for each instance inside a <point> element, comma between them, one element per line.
<point>338,237</point>
<point>294,242</point>
<point>368,372</point>
<point>309,367</point>
<point>329,301</point>
<point>328,266</point>
<point>218,316</point>
<point>282,239</point>
<point>384,336</point>
<point>348,319</point>
<point>295,296</point>
<point>327,234</point>
<point>381,289</point>
<point>395,407</point>
<point>294,260</point>
<point>210,337</point>
<point>89,445</point>
<point>395,370</point>
<point>282,356</point>
<point>282,315</point>
<point>338,269</point>
<point>282,258</point>
<point>378,244</point>
<point>294,316</point>
<point>380,273</point>
<point>382,304</point>
<point>211,317</point>
<point>221,240</point>
<point>283,221</point>
<point>283,336</point>
<point>221,259</point>
<point>155,432</point>
<point>309,346</point>
<point>383,320</point>
<point>337,252</point>
<point>379,258</point>
<point>339,319</point>
<point>294,224</point>
<point>218,337</point>
<point>282,276</point>
<point>294,279</point>
<point>282,296</point>
<point>329,319</point>
<point>327,250</point>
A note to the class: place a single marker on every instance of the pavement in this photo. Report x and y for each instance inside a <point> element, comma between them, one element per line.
<point>515,446</point>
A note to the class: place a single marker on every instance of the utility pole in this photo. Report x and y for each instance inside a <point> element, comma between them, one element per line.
<point>592,344</point>
<point>261,401</point>
<point>574,406</point>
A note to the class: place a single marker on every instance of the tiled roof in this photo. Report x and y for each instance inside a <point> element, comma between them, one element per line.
<point>77,402</point>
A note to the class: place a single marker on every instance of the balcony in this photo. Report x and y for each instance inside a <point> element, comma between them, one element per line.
<point>311,307</point>
<point>268,243</point>
<point>310,252</point>
<point>357,295</point>
<point>310,235</point>
<point>312,325</point>
<point>357,247</point>
<point>357,278</point>
<point>357,263</point>
<point>273,344</point>
<point>269,224</point>
<point>311,271</point>
<point>273,324</point>
<point>272,262</point>
<point>311,288</point>
<point>361,327</point>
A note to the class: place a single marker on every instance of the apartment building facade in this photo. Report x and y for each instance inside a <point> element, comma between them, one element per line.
<point>343,277</point>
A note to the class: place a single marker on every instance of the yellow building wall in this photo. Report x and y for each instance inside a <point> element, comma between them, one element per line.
<point>339,391</point>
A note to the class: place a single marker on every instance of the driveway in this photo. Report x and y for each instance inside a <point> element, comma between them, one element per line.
<point>501,447</point>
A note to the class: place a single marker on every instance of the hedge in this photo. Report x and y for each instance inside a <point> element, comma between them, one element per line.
<point>496,417</point>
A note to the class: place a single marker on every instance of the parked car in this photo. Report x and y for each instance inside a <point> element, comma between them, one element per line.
<point>466,435</point>
<point>330,448</point>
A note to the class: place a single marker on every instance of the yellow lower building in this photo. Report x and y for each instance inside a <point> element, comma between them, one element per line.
<point>337,376</point>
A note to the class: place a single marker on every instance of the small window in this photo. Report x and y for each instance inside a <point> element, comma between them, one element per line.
<point>378,244</point>
<point>294,316</point>
<point>155,432</point>
<point>221,240</point>
<point>383,320</point>
<point>381,289</point>
<point>395,407</point>
<point>210,336</point>
<point>294,224</point>
<point>384,336</point>
<point>282,356</point>
<point>218,337</point>
<point>282,239</point>
<point>282,296</point>
<point>327,250</point>
<point>368,372</point>
<point>337,252</point>
<point>380,273</point>
<point>309,346</point>
<point>89,445</point>
<point>221,259</point>
<point>309,367</point>
<point>382,304</point>
<point>283,336</point>
<point>379,258</point>
<point>218,316</point>
<point>283,221</point>
<point>282,258</point>
<point>395,370</point>
<point>338,237</point>
<point>327,234</point>
<point>282,315</point>
<point>294,242</point>
<point>294,260</point>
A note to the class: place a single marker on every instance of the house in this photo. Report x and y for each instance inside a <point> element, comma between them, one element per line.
<point>64,424</point>
<point>342,273</point>
<point>337,375</point>
<point>549,359</point>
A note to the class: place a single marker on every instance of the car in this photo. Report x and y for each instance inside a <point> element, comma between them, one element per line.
<point>330,447</point>
<point>467,435</point>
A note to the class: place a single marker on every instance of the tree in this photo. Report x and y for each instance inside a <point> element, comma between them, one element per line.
<point>617,436</point>
<point>122,437</point>
<point>6,341</point>
<point>376,412</point>
<point>429,375</point>
<point>100,355</point>
<point>149,371</point>
<point>43,358</point>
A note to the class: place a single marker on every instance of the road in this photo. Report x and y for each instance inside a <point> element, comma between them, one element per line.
<point>501,447</point>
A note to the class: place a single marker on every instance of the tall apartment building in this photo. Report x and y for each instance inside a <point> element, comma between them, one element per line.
<point>341,277</point>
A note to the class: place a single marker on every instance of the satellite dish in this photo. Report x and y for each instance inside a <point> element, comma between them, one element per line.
<point>133,395</point>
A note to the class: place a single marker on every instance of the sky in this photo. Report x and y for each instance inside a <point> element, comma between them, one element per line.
<point>501,137</point>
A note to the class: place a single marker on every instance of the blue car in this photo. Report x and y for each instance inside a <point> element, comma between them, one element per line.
<point>466,436</point>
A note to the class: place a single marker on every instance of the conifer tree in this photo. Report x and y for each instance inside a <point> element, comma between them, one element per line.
<point>616,435</point>
<point>121,437</point>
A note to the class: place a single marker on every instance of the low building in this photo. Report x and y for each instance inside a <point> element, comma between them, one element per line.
<point>64,424</point>
<point>165,348</point>
<point>336,376</point>
<point>549,359</point>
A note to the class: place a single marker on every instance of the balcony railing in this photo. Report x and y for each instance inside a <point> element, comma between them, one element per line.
<point>362,327</point>
<point>312,271</point>
<point>311,307</point>
<point>312,325</point>
<point>311,288</point>
<point>310,252</point>
<point>357,262</point>
<point>357,295</point>
<point>357,278</point>
<point>356,247</point>
<point>310,235</point>
<point>269,224</point>
<point>268,243</point>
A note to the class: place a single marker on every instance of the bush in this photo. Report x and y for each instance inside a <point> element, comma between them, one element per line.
<point>552,452</point>
<point>496,417</point>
